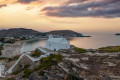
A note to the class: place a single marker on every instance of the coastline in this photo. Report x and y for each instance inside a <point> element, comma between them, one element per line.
<point>14,49</point>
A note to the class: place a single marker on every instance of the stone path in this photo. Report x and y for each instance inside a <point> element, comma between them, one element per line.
<point>2,67</point>
<point>46,53</point>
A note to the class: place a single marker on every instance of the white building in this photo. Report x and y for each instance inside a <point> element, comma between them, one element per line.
<point>57,43</point>
<point>2,67</point>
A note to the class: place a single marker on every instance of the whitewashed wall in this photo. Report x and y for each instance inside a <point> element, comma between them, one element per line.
<point>57,46</point>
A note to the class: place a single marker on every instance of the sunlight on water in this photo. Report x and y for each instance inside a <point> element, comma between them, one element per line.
<point>93,42</point>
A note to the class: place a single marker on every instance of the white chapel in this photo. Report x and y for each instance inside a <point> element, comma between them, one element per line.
<point>57,43</point>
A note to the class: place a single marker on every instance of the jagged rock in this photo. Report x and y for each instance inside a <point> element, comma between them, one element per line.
<point>34,76</point>
<point>106,78</point>
<point>66,77</point>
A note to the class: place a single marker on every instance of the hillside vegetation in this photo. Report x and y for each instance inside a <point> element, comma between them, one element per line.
<point>110,49</point>
<point>80,50</point>
<point>15,32</point>
<point>64,33</point>
<point>45,63</point>
<point>1,48</point>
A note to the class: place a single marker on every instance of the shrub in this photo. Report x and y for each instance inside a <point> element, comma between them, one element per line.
<point>3,58</point>
<point>80,50</point>
<point>41,72</point>
<point>1,48</point>
<point>26,66</point>
<point>10,41</point>
<point>10,79</point>
<point>0,52</point>
<point>27,73</point>
<point>14,58</point>
<point>16,72</point>
<point>52,59</point>
<point>47,62</point>
<point>37,53</point>
<point>92,51</point>
<point>73,77</point>
<point>110,49</point>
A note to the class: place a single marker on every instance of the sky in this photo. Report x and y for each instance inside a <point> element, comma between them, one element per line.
<point>100,16</point>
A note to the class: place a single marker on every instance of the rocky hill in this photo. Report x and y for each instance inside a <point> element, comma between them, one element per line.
<point>22,32</point>
<point>64,33</point>
<point>117,34</point>
<point>67,66</point>
<point>16,32</point>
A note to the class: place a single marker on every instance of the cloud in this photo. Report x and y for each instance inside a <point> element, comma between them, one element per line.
<point>74,1</point>
<point>7,1</point>
<point>29,7</point>
<point>26,1</point>
<point>3,5</point>
<point>86,8</point>
<point>19,1</point>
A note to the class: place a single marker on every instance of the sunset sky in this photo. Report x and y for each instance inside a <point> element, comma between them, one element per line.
<point>45,15</point>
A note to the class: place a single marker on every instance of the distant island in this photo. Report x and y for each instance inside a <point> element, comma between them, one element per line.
<point>117,34</point>
<point>66,33</point>
<point>17,32</point>
<point>13,34</point>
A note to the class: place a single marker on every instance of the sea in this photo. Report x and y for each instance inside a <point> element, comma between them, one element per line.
<point>94,42</point>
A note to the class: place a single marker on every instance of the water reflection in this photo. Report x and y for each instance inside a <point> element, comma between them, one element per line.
<point>94,42</point>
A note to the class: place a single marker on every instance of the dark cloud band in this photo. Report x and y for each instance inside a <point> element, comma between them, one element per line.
<point>94,8</point>
<point>26,1</point>
<point>3,5</point>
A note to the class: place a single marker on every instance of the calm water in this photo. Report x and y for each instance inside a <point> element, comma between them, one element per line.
<point>94,42</point>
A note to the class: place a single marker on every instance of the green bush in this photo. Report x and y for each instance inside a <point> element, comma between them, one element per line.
<point>52,59</point>
<point>1,48</point>
<point>37,53</point>
<point>37,68</point>
<point>16,72</point>
<point>26,66</point>
<point>14,58</point>
<point>41,73</point>
<point>110,49</point>
<point>27,73</point>
<point>80,50</point>
<point>92,51</point>
<point>11,41</point>
<point>0,52</point>
<point>73,77</point>
<point>10,79</point>
<point>3,58</point>
<point>47,62</point>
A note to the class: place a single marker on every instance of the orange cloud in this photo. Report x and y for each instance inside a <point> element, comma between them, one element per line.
<point>29,7</point>
<point>7,1</point>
